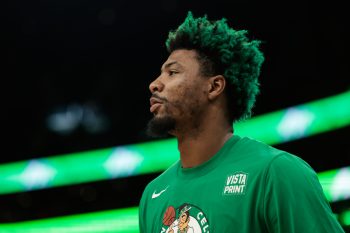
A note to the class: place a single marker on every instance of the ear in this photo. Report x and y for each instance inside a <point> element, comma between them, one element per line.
<point>216,86</point>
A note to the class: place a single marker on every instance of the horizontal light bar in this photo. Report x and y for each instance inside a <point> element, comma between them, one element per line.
<point>344,218</point>
<point>299,121</point>
<point>130,160</point>
<point>336,184</point>
<point>116,221</point>
<point>112,221</point>
<point>75,168</point>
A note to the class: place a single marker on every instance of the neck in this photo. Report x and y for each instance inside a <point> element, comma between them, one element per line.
<point>198,147</point>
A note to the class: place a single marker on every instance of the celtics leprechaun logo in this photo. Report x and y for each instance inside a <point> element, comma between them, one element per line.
<point>186,218</point>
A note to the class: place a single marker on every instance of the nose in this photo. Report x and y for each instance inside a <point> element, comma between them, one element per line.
<point>156,86</point>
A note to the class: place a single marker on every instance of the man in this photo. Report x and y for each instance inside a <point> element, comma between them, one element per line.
<point>182,224</point>
<point>227,183</point>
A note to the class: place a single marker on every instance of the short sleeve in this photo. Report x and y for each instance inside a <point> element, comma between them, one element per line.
<point>294,201</point>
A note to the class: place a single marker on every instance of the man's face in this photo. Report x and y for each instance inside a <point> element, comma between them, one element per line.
<point>178,95</point>
<point>183,218</point>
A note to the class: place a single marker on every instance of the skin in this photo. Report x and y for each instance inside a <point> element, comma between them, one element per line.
<point>183,221</point>
<point>197,104</point>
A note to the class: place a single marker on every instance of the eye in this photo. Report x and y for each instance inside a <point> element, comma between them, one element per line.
<point>172,72</point>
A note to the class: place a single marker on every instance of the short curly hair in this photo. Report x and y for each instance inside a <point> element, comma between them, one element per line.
<point>223,50</point>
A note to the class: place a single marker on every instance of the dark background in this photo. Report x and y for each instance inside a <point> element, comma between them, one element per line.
<point>101,56</point>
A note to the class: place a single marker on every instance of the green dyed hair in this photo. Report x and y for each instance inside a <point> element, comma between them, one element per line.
<point>223,50</point>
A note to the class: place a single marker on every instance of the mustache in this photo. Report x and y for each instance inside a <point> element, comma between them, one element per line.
<point>159,97</point>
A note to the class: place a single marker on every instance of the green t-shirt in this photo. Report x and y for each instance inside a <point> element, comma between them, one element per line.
<point>247,187</point>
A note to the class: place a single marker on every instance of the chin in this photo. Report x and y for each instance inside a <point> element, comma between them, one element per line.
<point>160,126</point>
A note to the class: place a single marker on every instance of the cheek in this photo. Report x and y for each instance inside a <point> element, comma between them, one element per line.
<point>187,102</point>
<point>192,96</point>
<point>185,98</point>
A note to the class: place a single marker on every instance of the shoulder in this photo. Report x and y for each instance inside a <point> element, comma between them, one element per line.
<point>287,163</point>
<point>272,160</point>
<point>254,152</point>
<point>291,167</point>
<point>250,145</point>
<point>290,173</point>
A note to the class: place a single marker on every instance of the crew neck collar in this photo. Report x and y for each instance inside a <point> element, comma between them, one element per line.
<point>209,165</point>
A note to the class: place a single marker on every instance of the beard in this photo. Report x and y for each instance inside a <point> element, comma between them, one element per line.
<point>159,127</point>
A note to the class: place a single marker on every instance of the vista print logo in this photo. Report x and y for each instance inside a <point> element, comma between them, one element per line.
<point>236,184</point>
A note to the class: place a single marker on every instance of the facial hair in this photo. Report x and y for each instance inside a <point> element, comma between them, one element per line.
<point>187,108</point>
<point>159,127</point>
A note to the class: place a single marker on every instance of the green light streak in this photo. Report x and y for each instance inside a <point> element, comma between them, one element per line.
<point>299,121</point>
<point>68,169</point>
<point>336,184</point>
<point>344,218</point>
<point>116,221</point>
<point>136,159</point>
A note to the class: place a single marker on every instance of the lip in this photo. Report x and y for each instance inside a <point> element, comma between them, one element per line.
<point>155,104</point>
<point>154,107</point>
<point>154,100</point>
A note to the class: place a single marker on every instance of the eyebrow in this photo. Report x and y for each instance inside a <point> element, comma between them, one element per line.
<point>169,64</point>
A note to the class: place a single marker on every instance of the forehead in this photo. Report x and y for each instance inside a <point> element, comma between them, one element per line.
<point>182,57</point>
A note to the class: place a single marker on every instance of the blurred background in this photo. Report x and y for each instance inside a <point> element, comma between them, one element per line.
<point>75,102</point>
